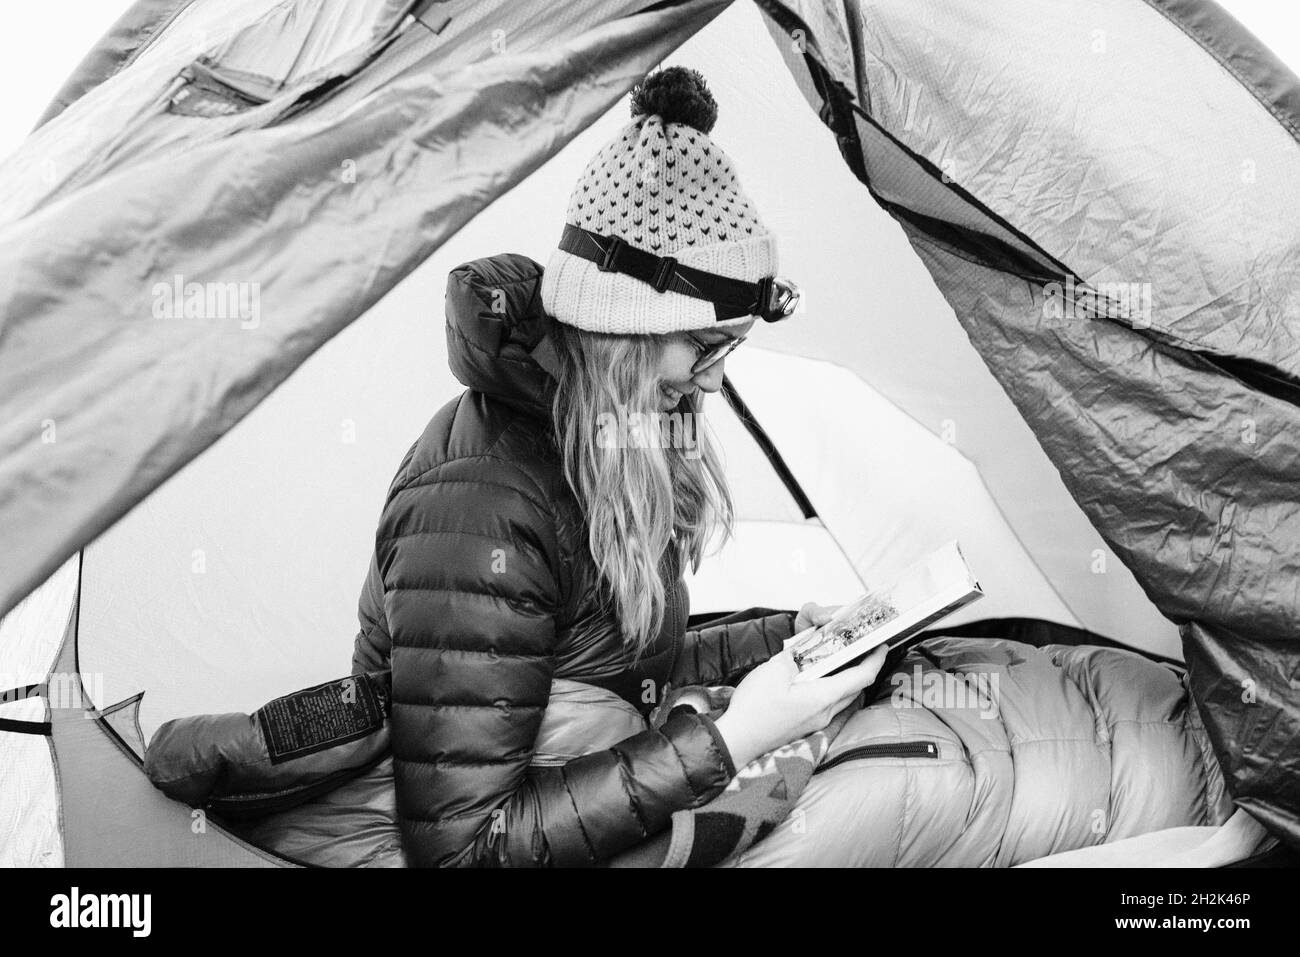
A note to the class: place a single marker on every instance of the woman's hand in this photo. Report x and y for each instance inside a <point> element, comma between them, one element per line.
<point>812,614</point>
<point>769,709</point>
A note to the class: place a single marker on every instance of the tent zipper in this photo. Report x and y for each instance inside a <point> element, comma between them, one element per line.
<point>901,749</point>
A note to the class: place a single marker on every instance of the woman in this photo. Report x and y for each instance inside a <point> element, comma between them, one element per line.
<point>539,528</point>
<point>532,546</point>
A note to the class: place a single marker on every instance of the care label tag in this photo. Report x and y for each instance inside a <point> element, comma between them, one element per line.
<point>204,94</point>
<point>321,717</point>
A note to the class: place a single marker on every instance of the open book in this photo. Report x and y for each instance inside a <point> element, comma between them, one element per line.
<point>932,589</point>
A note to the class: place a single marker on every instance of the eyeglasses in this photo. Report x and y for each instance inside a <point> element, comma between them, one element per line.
<point>711,353</point>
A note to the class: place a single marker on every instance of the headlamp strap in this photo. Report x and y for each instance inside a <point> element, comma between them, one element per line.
<point>731,298</point>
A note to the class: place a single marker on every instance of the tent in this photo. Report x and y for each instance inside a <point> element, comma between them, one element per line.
<point>188,490</point>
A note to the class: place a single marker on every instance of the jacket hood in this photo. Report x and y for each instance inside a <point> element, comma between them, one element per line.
<point>497,331</point>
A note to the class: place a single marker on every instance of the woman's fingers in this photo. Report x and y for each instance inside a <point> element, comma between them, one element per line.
<point>804,618</point>
<point>825,613</point>
<point>785,662</point>
<point>850,681</point>
<point>814,614</point>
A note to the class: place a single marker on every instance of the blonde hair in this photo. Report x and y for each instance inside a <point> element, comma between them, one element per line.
<point>665,489</point>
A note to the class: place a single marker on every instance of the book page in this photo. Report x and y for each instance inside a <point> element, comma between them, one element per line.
<point>940,581</point>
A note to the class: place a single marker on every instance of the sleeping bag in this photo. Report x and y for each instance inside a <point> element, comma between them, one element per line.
<point>972,752</point>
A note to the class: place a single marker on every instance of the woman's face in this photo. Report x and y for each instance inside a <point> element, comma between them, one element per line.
<point>679,353</point>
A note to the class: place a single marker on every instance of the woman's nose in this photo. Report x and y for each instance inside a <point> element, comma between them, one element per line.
<point>710,379</point>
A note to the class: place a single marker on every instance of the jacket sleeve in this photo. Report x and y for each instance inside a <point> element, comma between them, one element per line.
<point>724,651</point>
<point>373,647</point>
<point>468,557</point>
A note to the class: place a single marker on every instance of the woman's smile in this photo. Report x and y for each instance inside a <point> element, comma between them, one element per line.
<point>671,396</point>
<point>681,352</point>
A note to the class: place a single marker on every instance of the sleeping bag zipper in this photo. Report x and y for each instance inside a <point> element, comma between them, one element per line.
<point>903,749</point>
<point>238,807</point>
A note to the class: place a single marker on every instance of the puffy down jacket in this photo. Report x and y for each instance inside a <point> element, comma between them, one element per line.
<point>482,590</point>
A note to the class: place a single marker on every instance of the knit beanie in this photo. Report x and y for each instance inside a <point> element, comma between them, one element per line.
<point>662,186</point>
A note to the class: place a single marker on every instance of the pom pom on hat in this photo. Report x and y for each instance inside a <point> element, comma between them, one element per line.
<point>676,95</point>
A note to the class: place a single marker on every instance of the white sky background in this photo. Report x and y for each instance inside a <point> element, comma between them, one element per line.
<point>43,43</point>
